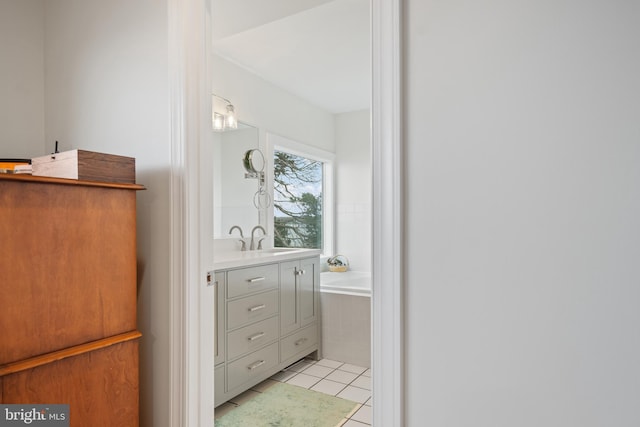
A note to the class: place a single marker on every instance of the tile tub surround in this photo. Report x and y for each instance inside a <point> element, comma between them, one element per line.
<point>327,376</point>
<point>346,328</point>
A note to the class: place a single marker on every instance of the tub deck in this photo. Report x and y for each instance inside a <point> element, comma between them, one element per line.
<point>349,283</point>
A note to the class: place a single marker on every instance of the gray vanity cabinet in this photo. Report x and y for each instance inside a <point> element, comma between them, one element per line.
<point>218,280</point>
<point>298,294</point>
<point>267,318</point>
<point>299,305</point>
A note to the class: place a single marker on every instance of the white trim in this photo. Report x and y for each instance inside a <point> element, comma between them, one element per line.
<point>387,300</point>
<point>177,386</point>
<point>203,235</point>
<point>298,148</point>
<point>329,209</point>
<point>187,51</point>
<point>277,142</point>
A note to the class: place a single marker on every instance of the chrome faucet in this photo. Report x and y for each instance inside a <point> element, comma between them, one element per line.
<point>244,244</point>
<point>264,232</point>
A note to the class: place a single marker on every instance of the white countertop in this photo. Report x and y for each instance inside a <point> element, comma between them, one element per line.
<point>234,259</point>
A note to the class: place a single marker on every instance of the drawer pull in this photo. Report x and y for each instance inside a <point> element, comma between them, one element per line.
<point>256,336</point>
<point>257,307</point>
<point>256,279</point>
<point>256,365</point>
<point>300,272</point>
<point>301,340</point>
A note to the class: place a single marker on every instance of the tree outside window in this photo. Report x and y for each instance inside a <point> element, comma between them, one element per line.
<point>297,201</point>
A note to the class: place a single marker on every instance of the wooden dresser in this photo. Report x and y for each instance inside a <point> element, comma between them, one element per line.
<point>68,297</point>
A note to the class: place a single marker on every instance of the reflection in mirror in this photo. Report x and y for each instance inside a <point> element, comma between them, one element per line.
<point>233,193</point>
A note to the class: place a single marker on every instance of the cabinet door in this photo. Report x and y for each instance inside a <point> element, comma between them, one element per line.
<point>288,297</point>
<point>307,287</point>
<point>219,304</point>
<point>220,386</point>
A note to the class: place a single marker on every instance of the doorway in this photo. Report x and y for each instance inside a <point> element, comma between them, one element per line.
<point>308,71</point>
<point>192,345</point>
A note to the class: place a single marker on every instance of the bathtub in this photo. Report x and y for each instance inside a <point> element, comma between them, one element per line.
<point>356,283</point>
<point>345,305</point>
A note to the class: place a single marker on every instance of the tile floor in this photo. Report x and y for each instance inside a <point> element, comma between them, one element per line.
<point>326,376</point>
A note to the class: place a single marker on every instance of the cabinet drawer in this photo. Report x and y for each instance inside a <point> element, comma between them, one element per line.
<point>253,279</point>
<point>243,369</point>
<point>99,382</point>
<point>251,309</point>
<point>300,341</point>
<point>252,337</point>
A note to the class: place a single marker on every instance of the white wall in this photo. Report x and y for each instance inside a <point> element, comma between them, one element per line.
<point>21,78</point>
<point>270,108</point>
<point>107,91</point>
<point>353,188</point>
<point>523,213</point>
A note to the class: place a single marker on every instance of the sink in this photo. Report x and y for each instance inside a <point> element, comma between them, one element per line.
<point>233,259</point>
<point>276,251</point>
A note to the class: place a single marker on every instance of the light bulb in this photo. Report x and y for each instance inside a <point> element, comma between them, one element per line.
<point>218,121</point>
<point>230,121</point>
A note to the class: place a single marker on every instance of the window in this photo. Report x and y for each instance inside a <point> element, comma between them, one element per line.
<point>302,196</point>
<point>297,201</point>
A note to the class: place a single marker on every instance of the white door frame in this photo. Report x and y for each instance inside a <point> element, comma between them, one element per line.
<point>191,337</point>
<point>191,381</point>
<point>387,156</point>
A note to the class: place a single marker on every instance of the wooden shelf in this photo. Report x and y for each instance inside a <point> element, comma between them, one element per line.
<point>64,181</point>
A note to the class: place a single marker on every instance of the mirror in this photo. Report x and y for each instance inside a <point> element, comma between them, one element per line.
<point>233,193</point>
<point>254,161</point>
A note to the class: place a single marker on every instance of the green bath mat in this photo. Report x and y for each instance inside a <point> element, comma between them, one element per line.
<point>284,405</point>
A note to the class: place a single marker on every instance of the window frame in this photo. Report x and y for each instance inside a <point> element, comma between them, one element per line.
<point>279,143</point>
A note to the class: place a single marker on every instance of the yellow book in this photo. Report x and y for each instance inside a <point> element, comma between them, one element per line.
<point>10,164</point>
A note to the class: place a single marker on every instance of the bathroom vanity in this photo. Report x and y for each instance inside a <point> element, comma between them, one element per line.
<point>267,315</point>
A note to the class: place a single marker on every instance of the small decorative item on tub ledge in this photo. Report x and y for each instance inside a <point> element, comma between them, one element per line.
<point>338,263</point>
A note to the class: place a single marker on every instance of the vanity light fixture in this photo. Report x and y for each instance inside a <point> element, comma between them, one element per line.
<point>226,121</point>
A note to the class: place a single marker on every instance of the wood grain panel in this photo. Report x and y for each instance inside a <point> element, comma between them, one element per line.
<point>67,265</point>
<point>44,359</point>
<point>106,167</point>
<point>86,165</point>
<point>101,386</point>
<point>71,182</point>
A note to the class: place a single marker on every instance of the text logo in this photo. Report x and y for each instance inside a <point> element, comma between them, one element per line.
<point>12,415</point>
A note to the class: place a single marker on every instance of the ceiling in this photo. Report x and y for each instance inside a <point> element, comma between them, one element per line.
<point>316,49</point>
